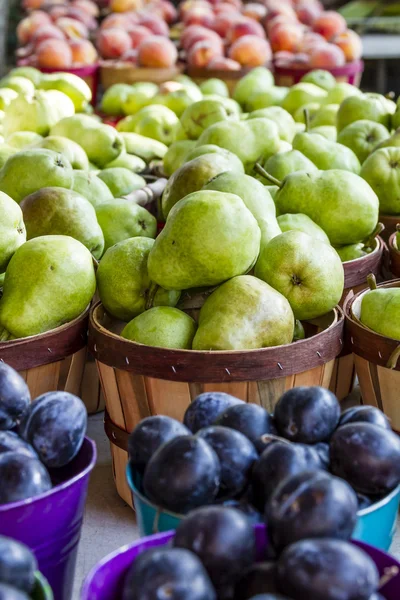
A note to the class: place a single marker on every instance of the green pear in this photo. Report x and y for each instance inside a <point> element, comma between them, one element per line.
<point>37,113</point>
<point>312,108</point>
<point>102,143</point>
<point>144,147</point>
<point>321,78</point>
<point>176,155</point>
<point>369,107</point>
<point>300,222</point>
<point>208,238</point>
<point>301,94</point>
<point>386,142</point>
<point>113,99</point>
<point>257,137</point>
<point>201,115</point>
<point>382,171</point>
<point>179,99</point>
<point>283,120</point>
<point>12,229</point>
<point>155,121</point>
<point>2,277</point>
<point>30,170</point>
<point>272,97</point>
<point>19,84</point>
<point>395,120</point>
<point>254,195</point>
<point>128,161</point>
<point>71,85</point>
<point>351,252</point>
<point>88,185</point>
<point>299,331</point>
<point>272,189</point>
<point>123,281</point>
<point>232,107</point>
<point>22,139</point>
<point>284,163</point>
<point>340,92</point>
<point>215,86</point>
<point>192,176</point>
<point>258,80</point>
<point>326,154</point>
<point>326,115</point>
<point>327,131</point>
<point>341,203</point>
<point>121,181</point>
<point>72,151</point>
<point>163,327</point>
<point>6,97</point>
<point>139,96</point>
<point>49,281</point>
<point>362,137</point>
<point>380,310</point>
<point>244,314</point>
<point>121,219</point>
<point>55,211</point>
<point>29,73</point>
<point>6,152</point>
<point>307,271</point>
<point>197,151</point>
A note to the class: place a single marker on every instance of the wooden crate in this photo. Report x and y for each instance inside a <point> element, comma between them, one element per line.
<point>139,381</point>
<point>124,72</point>
<point>394,255</point>
<point>377,370</point>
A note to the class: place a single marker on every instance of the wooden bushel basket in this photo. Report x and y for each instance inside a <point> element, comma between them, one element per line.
<point>51,361</point>
<point>125,72</point>
<point>374,356</point>
<point>355,279</point>
<point>394,256</point>
<point>390,222</point>
<point>139,381</point>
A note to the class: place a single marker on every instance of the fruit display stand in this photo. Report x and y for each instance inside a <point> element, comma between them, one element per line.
<point>139,381</point>
<point>125,72</point>
<point>376,360</point>
<point>394,256</point>
<point>54,360</point>
<point>355,273</point>
<point>105,581</point>
<point>350,73</point>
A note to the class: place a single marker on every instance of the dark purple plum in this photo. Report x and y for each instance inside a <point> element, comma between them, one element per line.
<point>367,456</point>
<point>307,414</point>
<point>323,451</point>
<point>236,455</point>
<point>251,420</point>
<point>21,477</point>
<point>11,442</point>
<point>261,578</point>
<point>149,435</point>
<point>17,565</point>
<point>311,504</point>
<point>266,440</point>
<point>55,426</point>
<point>15,397</point>
<point>167,573</point>
<point>365,414</point>
<point>8,592</point>
<point>327,569</point>
<point>182,475</point>
<point>223,539</point>
<point>206,408</point>
<point>269,597</point>
<point>246,508</point>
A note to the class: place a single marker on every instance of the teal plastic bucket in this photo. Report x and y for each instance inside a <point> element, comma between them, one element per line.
<point>376,524</point>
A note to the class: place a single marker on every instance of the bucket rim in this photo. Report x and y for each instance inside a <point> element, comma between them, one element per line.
<point>57,488</point>
<point>393,242</point>
<point>381,503</point>
<point>379,246</point>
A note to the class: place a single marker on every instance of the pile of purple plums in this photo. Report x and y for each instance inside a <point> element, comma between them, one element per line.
<point>17,570</point>
<point>36,438</point>
<point>213,557</point>
<point>235,453</point>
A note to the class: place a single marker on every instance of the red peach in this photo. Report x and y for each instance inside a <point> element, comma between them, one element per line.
<point>73,12</point>
<point>325,57</point>
<point>223,22</point>
<point>199,16</point>
<point>224,64</point>
<point>186,6</point>
<point>27,27</point>
<point>224,7</point>
<point>113,43</point>
<point>285,37</point>
<point>83,52</point>
<point>251,51</point>
<point>201,53</point>
<point>236,3</point>
<point>310,41</point>
<point>138,33</point>
<point>281,10</point>
<point>245,27</point>
<point>278,21</point>
<point>197,33</point>
<point>54,54</point>
<point>255,11</point>
<point>47,32</point>
<point>329,24</point>
<point>157,52</point>
<point>308,12</point>
<point>165,9</point>
<point>116,20</point>
<point>29,5</point>
<point>88,6</point>
<point>72,28</point>
<point>350,42</point>
<point>155,24</point>
<point>122,6</point>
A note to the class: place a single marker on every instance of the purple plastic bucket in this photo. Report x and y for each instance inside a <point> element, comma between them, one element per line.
<point>50,524</point>
<point>105,581</point>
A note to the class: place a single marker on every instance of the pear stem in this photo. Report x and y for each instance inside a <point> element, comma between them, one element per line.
<point>261,171</point>
<point>371,280</point>
<point>153,289</point>
<point>307,119</point>
<point>377,231</point>
<point>394,359</point>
